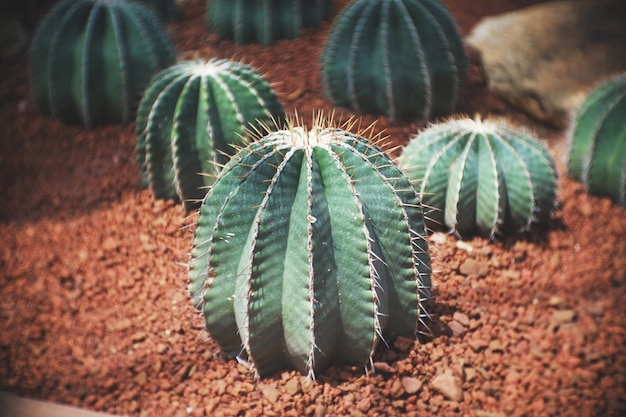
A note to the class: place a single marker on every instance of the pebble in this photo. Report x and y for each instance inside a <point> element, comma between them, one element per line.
<point>411,385</point>
<point>563,316</point>
<point>438,238</point>
<point>464,246</point>
<point>292,386</point>
<point>448,385</point>
<point>473,267</point>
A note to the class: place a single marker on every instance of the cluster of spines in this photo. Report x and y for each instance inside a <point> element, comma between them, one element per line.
<point>91,59</point>
<point>309,249</point>
<point>401,58</point>
<point>481,177</point>
<point>597,138</point>
<point>265,21</point>
<point>192,118</point>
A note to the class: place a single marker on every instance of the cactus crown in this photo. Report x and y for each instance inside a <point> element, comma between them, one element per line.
<point>265,21</point>
<point>481,176</point>
<point>192,118</point>
<point>91,59</point>
<point>401,58</point>
<point>597,139</point>
<point>309,249</point>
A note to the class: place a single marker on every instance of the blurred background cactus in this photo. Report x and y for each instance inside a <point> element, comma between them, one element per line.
<point>481,177</point>
<point>400,58</point>
<point>597,137</point>
<point>165,9</point>
<point>309,249</point>
<point>90,60</point>
<point>265,21</point>
<point>192,116</point>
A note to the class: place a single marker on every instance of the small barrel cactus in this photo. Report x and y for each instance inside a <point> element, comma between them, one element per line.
<point>309,249</point>
<point>91,59</point>
<point>481,176</point>
<point>264,21</point>
<point>400,58</point>
<point>597,137</point>
<point>192,117</point>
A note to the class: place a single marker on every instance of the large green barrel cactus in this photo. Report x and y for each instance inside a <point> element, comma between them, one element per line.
<point>597,138</point>
<point>481,176</point>
<point>401,58</point>
<point>91,59</point>
<point>265,21</point>
<point>309,249</point>
<point>193,115</point>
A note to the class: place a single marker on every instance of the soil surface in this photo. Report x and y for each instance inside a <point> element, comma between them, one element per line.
<point>95,311</point>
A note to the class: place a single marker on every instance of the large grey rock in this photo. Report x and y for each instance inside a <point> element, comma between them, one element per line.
<point>545,58</point>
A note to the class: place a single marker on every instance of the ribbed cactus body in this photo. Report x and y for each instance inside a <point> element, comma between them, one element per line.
<point>309,249</point>
<point>401,58</point>
<point>165,9</point>
<point>597,137</point>
<point>480,176</point>
<point>265,21</point>
<point>192,116</point>
<point>91,59</point>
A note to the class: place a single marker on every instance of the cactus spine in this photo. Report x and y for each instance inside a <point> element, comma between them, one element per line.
<point>309,249</point>
<point>597,138</point>
<point>265,21</point>
<point>401,58</point>
<point>192,116</point>
<point>91,59</point>
<point>480,176</point>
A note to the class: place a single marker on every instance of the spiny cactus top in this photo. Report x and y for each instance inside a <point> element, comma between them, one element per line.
<point>309,248</point>
<point>481,176</point>
<point>91,59</point>
<point>597,137</point>
<point>265,21</point>
<point>192,116</point>
<point>401,58</point>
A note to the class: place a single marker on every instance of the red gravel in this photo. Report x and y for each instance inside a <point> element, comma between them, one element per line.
<point>95,313</point>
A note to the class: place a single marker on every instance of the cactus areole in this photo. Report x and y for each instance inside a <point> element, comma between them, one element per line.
<point>481,176</point>
<point>309,249</point>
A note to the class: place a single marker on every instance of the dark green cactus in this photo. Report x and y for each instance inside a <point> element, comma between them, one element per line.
<point>597,137</point>
<point>192,116</point>
<point>265,21</point>
<point>481,176</point>
<point>91,59</point>
<point>401,58</point>
<point>309,249</point>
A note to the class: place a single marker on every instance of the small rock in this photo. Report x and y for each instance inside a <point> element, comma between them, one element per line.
<point>472,267</point>
<point>270,392</point>
<point>456,328</point>
<point>461,318</point>
<point>384,367</point>
<point>464,246</point>
<point>438,238</point>
<point>555,301</point>
<point>292,386</point>
<point>563,316</point>
<point>411,385</point>
<point>448,385</point>
<point>477,344</point>
<point>403,344</point>
<point>110,244</point>
<point>555,262</point>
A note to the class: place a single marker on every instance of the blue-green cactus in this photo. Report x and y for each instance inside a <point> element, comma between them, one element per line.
<point>400,58</point>
<point>481,176</point>
<point>309,249</point>
<point>265,21</point>
<point>192,117</point>
<point>597,138</point>
<point>91,59</point>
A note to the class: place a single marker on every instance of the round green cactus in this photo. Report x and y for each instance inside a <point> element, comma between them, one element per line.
<point>309,249</point>
<point>264,21</point>
<point>192,117</point>
<point>166,9</point>
<point>91,59</point>
<point>401,58</point>
<point>481,177</point>
<point>597,137</point>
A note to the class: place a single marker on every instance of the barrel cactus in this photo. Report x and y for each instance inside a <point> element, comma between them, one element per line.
<point>309,249</point>
<point>400,58</point>
<point>597,137</point>
<point>192,117</point>
<point>91,59</point>
<point>265,21</point>
<point>165,9</point>
<point>481,177</point>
